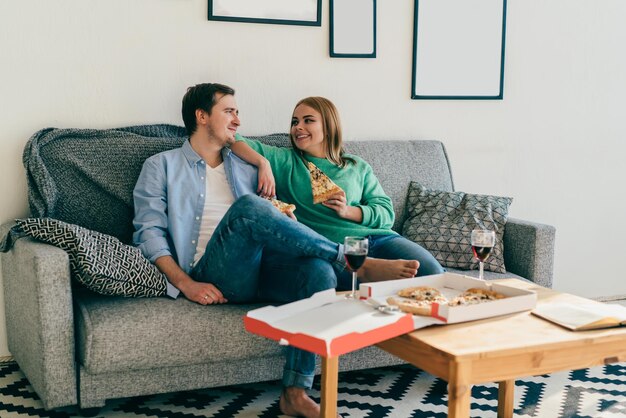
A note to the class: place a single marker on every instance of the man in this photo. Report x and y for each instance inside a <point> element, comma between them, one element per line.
<point>198,219</point>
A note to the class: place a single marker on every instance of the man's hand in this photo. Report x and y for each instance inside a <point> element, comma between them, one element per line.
<point>199,292</point>
<point>203,293</point>
<point>267,184</point>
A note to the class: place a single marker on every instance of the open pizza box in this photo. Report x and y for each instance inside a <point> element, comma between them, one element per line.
<point>331,325</point>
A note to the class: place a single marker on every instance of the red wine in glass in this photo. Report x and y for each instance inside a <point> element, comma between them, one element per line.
<point>355,253</point>
<point>355,261</point>
<point>481,253</point>
<point>482,241</point>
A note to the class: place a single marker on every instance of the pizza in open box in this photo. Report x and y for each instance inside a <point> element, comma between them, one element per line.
<point>420,299</point>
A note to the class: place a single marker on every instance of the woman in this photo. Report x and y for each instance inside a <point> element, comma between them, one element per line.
<point>361,209</point>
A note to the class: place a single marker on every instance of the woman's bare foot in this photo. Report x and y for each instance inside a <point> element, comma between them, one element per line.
<point>378,270</point>
<point>296,403</point>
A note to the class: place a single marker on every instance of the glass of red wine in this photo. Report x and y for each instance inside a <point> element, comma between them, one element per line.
<point>355,252</point>
<point>483,241</point>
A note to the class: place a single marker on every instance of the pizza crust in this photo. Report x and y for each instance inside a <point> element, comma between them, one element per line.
<point>414,307</point>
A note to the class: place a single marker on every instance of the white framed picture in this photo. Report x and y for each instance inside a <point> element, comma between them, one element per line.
<point>282,12</point>
<point>458,49</point>
<point>353,28</point>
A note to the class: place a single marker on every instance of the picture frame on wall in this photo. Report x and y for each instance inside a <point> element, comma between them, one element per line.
<point>279,12</point>
<point>458,49</point>
<point>352,28</point>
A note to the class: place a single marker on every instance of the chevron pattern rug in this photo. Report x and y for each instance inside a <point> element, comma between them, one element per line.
<point>394,392</point>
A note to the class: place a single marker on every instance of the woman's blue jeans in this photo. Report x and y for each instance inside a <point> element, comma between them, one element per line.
<point>259,254</point>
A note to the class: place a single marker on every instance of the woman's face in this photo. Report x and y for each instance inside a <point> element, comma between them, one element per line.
<point>307,131</point>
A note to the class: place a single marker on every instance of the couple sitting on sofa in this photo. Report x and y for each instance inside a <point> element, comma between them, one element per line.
<point>197,217</point>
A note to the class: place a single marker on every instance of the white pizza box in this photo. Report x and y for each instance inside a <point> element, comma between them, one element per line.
<point>451,285</point>
<point>329,324</point>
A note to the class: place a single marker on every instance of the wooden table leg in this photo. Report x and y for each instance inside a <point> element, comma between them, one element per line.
<point>459,390</point>
<point>506,397</point>
<point>330,377</point>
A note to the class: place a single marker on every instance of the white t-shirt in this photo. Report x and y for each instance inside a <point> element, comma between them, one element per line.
<point>217,201</point>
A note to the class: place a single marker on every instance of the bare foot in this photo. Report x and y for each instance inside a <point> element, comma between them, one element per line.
<point>296,403</point>
<point>378,270</point>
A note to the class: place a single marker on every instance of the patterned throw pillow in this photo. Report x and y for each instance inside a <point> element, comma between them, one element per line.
<point>100,262</point>
<point>442,223</point>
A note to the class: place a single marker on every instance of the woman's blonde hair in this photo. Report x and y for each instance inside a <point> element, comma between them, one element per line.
<point>331,124</point>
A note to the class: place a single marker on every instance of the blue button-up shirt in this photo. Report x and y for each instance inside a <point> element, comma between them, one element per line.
<point>169,200</point>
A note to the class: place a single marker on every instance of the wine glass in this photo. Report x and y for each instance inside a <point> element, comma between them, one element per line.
<point>483,241</point>
<point>355,252</point>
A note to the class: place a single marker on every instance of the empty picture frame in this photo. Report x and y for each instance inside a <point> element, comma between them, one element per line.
<point>458,49</point>
<point>353,28</point>
<point>281,12</point>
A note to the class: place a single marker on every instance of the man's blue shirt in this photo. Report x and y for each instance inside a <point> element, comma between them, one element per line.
<point>169,200</point>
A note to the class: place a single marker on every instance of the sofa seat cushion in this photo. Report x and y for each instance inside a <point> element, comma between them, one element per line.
<point>117,334</point>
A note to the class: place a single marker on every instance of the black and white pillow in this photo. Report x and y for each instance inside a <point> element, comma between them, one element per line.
<point>442,223</point>
<point>100,262</point>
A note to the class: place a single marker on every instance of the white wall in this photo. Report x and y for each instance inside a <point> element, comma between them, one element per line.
<point>555,143</point>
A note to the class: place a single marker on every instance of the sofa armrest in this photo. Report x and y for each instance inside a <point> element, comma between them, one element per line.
<point>40,318</point>
<point>529,250</point>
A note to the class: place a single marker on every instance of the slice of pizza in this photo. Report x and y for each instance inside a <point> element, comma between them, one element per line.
<point>415,307</point>
<point>322,186</point>
<point>474,296</point>
<point>418,300</point>
<point>282,206</point>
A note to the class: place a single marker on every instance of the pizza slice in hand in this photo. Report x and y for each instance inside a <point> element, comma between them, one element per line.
<point>322,186</point>
<point>281,206</point>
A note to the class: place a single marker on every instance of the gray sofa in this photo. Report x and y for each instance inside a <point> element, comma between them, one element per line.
<point>78,347</point>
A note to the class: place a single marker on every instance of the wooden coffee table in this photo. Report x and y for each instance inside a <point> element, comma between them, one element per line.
<point>499,349</point>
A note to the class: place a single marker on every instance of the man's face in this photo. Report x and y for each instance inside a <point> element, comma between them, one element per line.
<point>223,122</point>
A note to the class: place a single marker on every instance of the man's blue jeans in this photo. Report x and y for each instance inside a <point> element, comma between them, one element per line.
<point>259,254</point>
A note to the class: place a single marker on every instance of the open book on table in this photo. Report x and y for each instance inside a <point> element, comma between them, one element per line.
<point>581,317</point>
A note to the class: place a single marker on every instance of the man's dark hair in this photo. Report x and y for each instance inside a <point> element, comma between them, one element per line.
<point>201,96</point>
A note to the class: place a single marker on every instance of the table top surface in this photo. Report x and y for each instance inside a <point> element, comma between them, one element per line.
<point>514,333</point>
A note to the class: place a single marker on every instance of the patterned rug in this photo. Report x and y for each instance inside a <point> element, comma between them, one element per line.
<point>394,392</point>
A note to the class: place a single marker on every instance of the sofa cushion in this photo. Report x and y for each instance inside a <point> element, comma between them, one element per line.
<point>442,223</point>
<point>99,262</point>
<point>117,334</point>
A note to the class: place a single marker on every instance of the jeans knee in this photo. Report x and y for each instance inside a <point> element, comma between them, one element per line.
<point>319,276</point>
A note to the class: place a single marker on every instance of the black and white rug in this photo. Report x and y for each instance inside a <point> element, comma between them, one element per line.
<point>394,392</point>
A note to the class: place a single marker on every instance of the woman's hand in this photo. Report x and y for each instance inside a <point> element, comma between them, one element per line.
<point>339,204</point>
<point>267,184</point>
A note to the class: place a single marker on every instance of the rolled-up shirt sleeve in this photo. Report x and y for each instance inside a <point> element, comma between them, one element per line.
<point>150,222</point>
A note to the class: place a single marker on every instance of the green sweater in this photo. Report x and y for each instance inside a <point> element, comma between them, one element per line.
<point>293,185</point>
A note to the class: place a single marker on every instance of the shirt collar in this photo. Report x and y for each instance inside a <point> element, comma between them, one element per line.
<point>192,156</point>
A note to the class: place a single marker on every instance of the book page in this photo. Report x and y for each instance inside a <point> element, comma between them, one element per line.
<point>580,317</point>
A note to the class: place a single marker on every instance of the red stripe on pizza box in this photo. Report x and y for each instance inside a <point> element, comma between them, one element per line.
<point>336,347</point>
<point>434,312</point>
<point>354,341</point>
<point>306,342</point>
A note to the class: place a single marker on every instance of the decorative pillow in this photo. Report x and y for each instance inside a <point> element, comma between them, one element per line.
<point>100,262</point>
<point>442,223</point>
